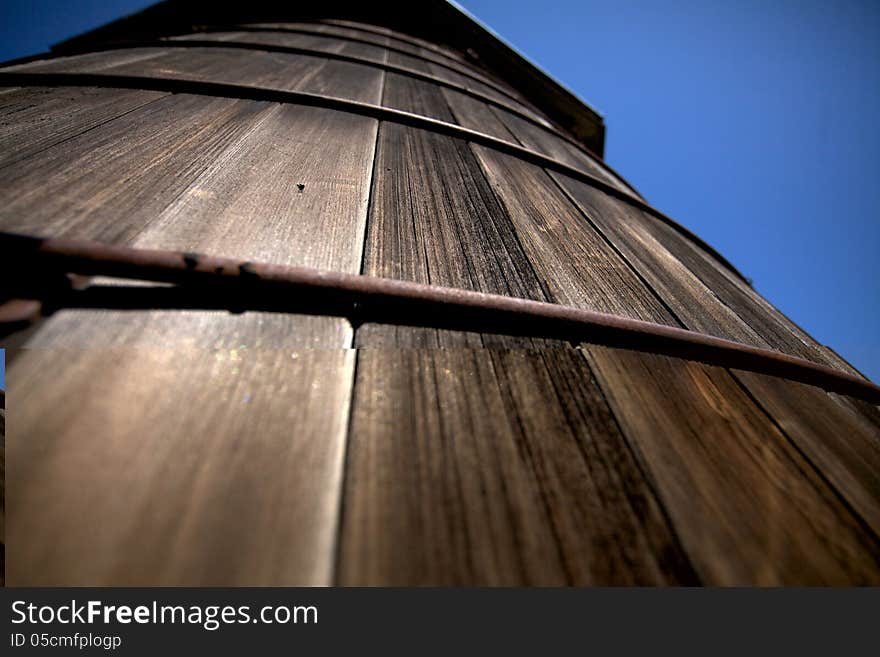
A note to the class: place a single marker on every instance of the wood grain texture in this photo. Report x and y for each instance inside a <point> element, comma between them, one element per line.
<point>186,329</point>
<point>375,54</point>
<point>91,61</point>
<point>416,96</point>
<point>37,118</point>
<point>207,174</point>
<point>256,68</point>
<point>461,82</point>
<point>309,41</point>
<point>219,496</point>
<point>354,33</point>
<point>400,48</point>
<point>248,202</point>
<point>474,85</point>
<point>244,202</point>
<point>775,329</point>
<point>157,150</point>
<point>841,444</point>
<point>575,263</point>
<point>494,467</point>
<point>434,219</point>
<point>404,43</point>
<point>694,304</point>
<point>474,114</point>
<point>176,467</point>
<point>746,505</point>
<point>287,72</point>
<point>544,141</point>
<point>398,36</point>
<point>867,411</point>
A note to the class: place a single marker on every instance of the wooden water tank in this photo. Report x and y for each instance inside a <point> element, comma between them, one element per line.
<point>181,413</point>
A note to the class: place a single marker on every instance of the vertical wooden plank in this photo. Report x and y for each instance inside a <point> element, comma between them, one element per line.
<point>179,467</point>
<point>775,328</point>
<point>400,36</point>
<point>502,467</point>
<point>294,191</point>
<point>484,89</point>
<point>544,141</point>
<point>240,484</point>
<point>747,506</point>
<point>578,267</point>
<point>90,61</point>
<point>157,150</point>
<point>416,96</point>
<point>842,445</point>
<point>248,67</point>
<point>434,219</point>
<point>246,204</point>
<point>692,302</point>
<point>36,118</point>
<point>290,40</point>
<point>476,115</point>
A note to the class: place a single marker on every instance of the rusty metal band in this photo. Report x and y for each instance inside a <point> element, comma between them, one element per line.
<point>211,282</point>
<point>226,90</point>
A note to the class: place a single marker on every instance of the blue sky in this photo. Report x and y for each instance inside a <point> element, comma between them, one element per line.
<point>752,123</point>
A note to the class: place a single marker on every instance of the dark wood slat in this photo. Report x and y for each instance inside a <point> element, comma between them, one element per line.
<point>352,55</point>
<point>775,328</point>
<point>310,41</point>
<point>866,410</point>
<point>413,66</point>
<point>233,399</point>
<point>283,71</point>
<point>692,302</point>
<point>371,53</point>
<point>243,202</point>
<point>225,90</point>
<point>578,267</point>
<point>842,445</point>
<point>263,69</point>
<point>747,506</point>
<point>314,42</point>
<point>91,61</point>
<point>434,219</point>
<point>36,118</point>
<point>405,50</point>
<point>463,82</point>
<point>480,79</point>
<point>158,150</point>
<point>474,114</point>
<point>299,72</point>
<point>501,468</point>
<point>210,174</point>
<point>176,466</point>
<point>294,191</point>
<point>417,97</point>
<point>544,141</point>
<point>402,42</point>
<point>398,36</point>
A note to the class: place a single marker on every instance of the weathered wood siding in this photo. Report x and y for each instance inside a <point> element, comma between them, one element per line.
<point>192,447</point>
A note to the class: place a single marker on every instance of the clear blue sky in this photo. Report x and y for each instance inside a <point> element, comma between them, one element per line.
<point>754,123</point>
